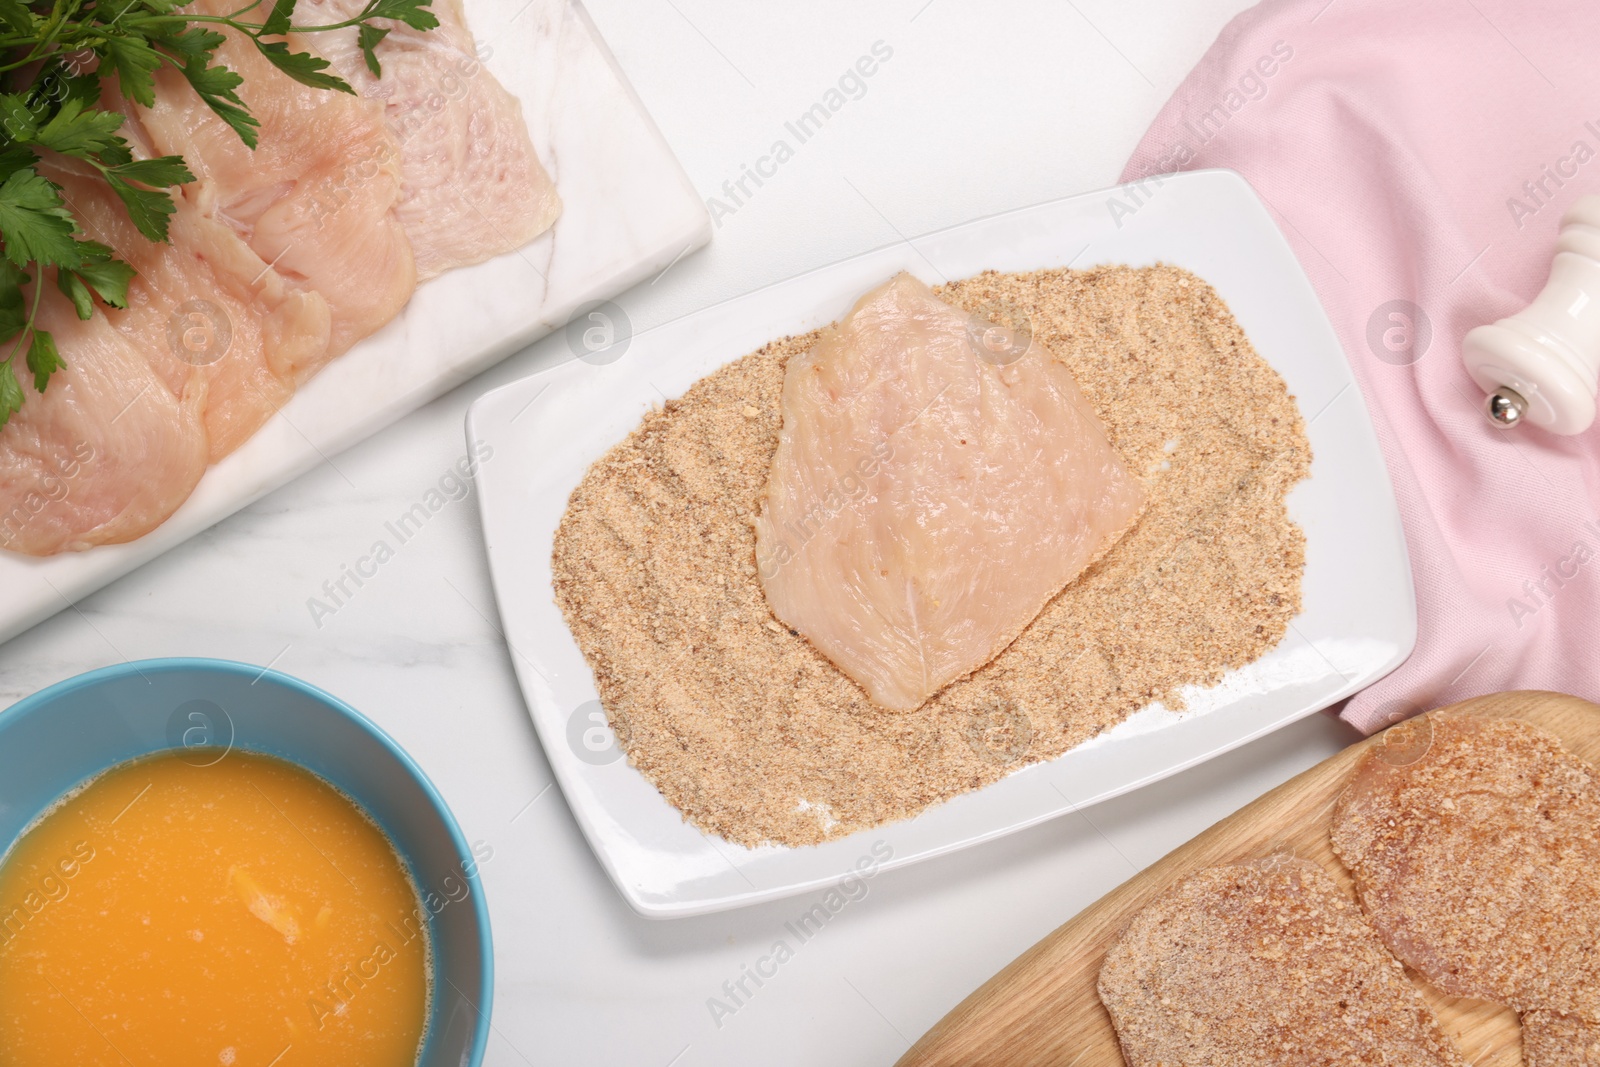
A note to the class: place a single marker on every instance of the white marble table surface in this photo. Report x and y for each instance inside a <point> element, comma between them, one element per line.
<point>981,108</point>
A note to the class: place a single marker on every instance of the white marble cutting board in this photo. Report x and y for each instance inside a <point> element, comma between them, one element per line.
<point>628,212</point>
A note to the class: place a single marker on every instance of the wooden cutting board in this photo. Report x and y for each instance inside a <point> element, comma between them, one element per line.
<point>1043,1009</point>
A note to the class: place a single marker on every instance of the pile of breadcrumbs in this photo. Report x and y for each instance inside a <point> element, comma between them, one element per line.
<point>757,737</point>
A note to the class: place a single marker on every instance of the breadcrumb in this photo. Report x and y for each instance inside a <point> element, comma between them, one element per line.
<point>755,736</point>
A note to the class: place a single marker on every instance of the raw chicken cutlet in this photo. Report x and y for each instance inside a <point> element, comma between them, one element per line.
<point>354,254</point>
<point>1475,848</point>
<point>1265,964</point>
<point>106,453</point>
<point>471,184</point>
<point>928,497</point>
<point>206,312</point>
<point>1550,1039</point>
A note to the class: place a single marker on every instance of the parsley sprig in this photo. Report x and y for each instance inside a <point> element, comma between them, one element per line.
<point>54,55</point>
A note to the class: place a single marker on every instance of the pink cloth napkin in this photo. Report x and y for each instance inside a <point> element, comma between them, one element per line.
<point>1419,157</point>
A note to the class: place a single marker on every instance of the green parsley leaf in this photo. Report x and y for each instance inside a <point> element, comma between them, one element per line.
<point>93,250</point>
<point>35,224</point>
<point>10,393</point>
<point>135,63</point>
<point>216,85</point>
<point>196,42</point>
<point>116,154</point>
<point>13,309</point>
<point>84,88</point>
<point>100,273</point>
<point>109,279</point>
<point>277,23</point>
<point>76,290</point>
<point>303,67</point>
<point>75,131</point>
<point>18,119</point>
<point>16,18</point>
<point>15,157</point>
<point>160,171</point>
<point>55,83</point>
<point>43,358</point>
<point>368,37</point>
<point>148,208</point>
<point>413,13</point>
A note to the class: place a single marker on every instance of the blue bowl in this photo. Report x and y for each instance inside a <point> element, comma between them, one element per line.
<point>74,730</point>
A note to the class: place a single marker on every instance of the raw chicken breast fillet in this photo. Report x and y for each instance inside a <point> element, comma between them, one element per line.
<point>315,199</point>
<point>926,502</point>
<point>205,310</point>
<point>106,453</point>
<point>472,186</point>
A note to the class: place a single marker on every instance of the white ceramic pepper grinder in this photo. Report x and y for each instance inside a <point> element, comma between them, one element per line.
<point>1542,364</point>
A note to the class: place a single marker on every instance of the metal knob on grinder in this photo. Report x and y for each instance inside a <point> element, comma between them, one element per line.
<point>1542,364</point>
<point>1505,407</point>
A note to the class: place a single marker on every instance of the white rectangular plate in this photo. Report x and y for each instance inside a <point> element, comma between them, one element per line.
<point>628,211</point>
<point>1358,623</point>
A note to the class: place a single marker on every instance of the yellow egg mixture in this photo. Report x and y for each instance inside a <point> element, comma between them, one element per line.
<point>243,913</point>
